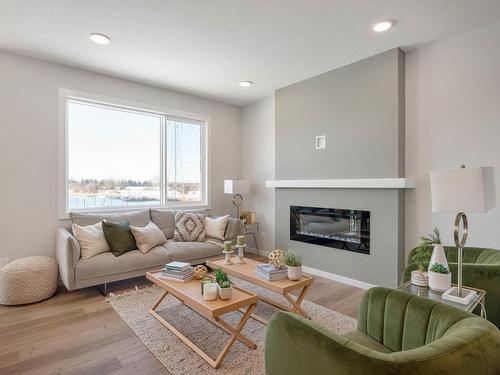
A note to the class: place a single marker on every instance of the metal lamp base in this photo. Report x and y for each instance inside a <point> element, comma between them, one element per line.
<point>463,298</point>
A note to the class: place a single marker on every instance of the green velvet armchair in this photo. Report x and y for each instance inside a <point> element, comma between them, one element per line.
<point>398,333</point>
<point>481,269</point>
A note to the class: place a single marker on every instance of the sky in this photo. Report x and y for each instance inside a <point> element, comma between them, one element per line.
<point>104,143</point>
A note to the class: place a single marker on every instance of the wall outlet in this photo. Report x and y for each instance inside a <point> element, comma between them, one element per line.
<point>320,142</point>
<point>3,262</point>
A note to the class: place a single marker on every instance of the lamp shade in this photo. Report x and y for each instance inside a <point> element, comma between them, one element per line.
<point>236,187</point>
<point>467,190</point>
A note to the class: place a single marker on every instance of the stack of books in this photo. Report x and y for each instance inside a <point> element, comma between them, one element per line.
<point>271,273</point>
<point>178,271</point>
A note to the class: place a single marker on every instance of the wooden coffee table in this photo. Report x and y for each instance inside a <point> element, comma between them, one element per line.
<point>247,272</point>
<point>189,293</point>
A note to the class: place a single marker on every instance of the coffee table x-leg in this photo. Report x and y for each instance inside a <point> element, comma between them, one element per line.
<point>295,303</point>
<point>235,332</point>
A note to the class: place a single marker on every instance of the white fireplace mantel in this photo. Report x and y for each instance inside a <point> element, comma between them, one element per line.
<point>349,183</point>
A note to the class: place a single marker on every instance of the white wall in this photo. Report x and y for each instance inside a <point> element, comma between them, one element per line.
<point>29,135</point>
<point>452,118</point>
<point>258,166</point>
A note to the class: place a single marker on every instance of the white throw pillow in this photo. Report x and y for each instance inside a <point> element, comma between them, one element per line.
<point>216,227</point>
<point>148,237</point>
<point>91,239</point>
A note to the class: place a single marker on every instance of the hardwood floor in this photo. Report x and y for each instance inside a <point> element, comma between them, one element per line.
<point>79,332</point>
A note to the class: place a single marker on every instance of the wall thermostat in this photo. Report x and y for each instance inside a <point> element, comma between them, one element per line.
<point>320,142</point>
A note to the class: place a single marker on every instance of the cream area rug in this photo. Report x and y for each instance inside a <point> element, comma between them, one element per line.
<point>133,306</point>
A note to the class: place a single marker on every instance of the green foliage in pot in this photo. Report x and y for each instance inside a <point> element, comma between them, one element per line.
<point>292,259</point>
<point>432,239</point>
<point>423,252</point>
<point>422,257</point>
<point>439,268</point>
<point>221,277</point>
<point>225,284</point>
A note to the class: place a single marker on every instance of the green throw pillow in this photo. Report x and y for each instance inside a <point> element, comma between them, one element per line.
<point>119,236</point>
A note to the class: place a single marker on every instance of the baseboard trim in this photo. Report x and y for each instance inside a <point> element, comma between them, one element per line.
<point>338,278</point>
<point>325,274</point>
<point>261,252</point>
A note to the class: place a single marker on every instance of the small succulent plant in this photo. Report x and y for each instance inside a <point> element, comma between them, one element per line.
<point>439,268</point>
<point>225,284</point>
<point>221,277</point>
<point>292,259</point>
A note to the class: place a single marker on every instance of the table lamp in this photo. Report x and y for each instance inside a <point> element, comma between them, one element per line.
<point>462,190</point>
<point>237,188</point>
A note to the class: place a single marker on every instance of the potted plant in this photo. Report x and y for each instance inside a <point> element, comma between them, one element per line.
<point>224,287</point>
<point>421,257</point>
<point>293,263</point>
<point>439,277</point>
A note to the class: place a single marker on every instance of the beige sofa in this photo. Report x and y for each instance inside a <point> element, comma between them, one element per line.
<point>79,273</point>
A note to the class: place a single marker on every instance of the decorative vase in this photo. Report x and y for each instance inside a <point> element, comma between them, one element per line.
<point>225,293</point>
<point>420,278</point>
<point>210,291</point>
<point>439,282</point>
<point>294,273</point>
<point>438,256</point>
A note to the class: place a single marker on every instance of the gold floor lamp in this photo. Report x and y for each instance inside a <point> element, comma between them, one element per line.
<point>237,188</point>
<point>462,190</point>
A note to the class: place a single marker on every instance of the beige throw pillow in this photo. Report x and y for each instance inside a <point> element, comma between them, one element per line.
<point>216,227</point>
<point>148,237</point>
<point>189,227</point>
<point>91,239</point>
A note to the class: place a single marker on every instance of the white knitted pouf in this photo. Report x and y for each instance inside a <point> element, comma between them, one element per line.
<point>28,280</point>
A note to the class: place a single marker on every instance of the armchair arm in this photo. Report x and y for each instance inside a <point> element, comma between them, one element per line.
<point>406,275</point>
<point>234,228</point>
<point>298,346</point>
<point>67,254</point>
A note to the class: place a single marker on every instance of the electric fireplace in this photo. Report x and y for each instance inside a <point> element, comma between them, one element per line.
<point>333,227</point>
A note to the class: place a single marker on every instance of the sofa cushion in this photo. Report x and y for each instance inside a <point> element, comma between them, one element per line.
<point>136,218</point>
<point>119,236</point>
<point>107,264</point>
<point>165,220</point>
<point>148,237</point>
<point>91,240</point>
<point>189,227</point>
<point>186,251</point>
<point>216,227</point>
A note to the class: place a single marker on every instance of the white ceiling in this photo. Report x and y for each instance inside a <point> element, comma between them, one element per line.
<point>205,47</point>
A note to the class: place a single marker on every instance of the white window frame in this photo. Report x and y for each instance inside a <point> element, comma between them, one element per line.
<point>66,95</point>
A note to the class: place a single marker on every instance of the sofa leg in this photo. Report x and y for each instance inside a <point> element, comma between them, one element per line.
<point>103,289</point>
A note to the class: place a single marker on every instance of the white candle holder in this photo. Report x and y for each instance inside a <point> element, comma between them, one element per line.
<point>228,255</point>
<point>241,254</point>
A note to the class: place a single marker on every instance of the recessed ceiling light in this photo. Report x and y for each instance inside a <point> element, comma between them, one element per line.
<point>246,83</point>
<point>383,26</point>
<point>100,38</point>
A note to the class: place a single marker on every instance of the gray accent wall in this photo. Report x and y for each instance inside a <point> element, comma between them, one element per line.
<point>360,109</point>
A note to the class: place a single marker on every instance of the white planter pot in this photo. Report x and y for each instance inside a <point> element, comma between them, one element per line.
<point>419,278</point>
<point>225,293</point>
<point>294,273</point>
<point>439,282</point>
<point>438,256</point>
